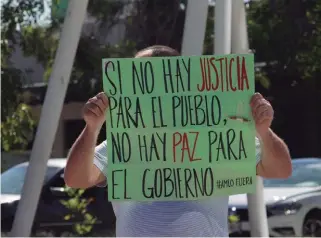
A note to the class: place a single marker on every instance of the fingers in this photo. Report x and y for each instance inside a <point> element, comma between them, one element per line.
<point>263,114</point>
<point>102,96</point>
<point>98,104</point>
<point>255,97</point>
<point>261,108</point>
<point>93,108</point>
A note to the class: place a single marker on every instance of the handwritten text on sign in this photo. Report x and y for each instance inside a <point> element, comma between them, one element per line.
<point>169,132</point>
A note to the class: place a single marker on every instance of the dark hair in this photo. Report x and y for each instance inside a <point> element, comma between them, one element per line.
<point>159,50</point>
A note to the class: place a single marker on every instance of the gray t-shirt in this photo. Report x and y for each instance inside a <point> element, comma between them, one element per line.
<point>203,218</point>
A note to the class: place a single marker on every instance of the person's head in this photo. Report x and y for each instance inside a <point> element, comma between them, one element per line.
<point>157,51</point>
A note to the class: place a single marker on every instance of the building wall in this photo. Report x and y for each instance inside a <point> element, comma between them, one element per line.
<point>34,71</point>
<point>34,74</point>
<point>9,159</point>
<point>70,111</point>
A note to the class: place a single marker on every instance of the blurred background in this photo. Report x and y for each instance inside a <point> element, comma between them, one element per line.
<point>284,35</point>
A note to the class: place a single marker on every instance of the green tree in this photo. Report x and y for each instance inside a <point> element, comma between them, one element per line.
<point>16,121</point>
<point>156,22</point>
<point>20,27</point>
<point>286,36</point>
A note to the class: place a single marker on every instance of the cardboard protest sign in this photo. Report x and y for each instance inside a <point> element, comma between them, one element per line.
<point>171,128</point>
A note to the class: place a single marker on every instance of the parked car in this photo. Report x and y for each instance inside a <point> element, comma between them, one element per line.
<point>52,215</point>
<point>293,205</point>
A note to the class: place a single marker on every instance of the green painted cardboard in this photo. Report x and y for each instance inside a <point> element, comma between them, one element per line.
<point>171,128</point>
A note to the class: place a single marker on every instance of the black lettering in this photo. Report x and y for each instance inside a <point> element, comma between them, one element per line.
<point>138,78</point>
<point>220,147</point>
<point>208,188</point>
<point>125,113</point>
<point>160,111</point>
<point>113,182</point>
<point>167,73</point>
<point>216,109</point>
<point>150,190</point>
<point>149,149</point>
<point>121,147</point>
<point>242,147</point>
<point>199,112</point>
<point>149,77</point>
<point>179,181</point>
<point>187,66</point>
<point>230,139</point>
<point>111,66</point>
<point>196,110</point>
<point>212,137</point>
<point>112,106</point>
<point>188,177</point>
<point>199,186</point>
<point>167,180</point>
<point>228,144</point>
<point>125,185</point>
<point>142,147</point>
<point>175,103</point>
<point>158,183</point>
<point>182,78</point>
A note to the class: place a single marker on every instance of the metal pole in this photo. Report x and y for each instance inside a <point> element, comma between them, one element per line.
<point>257,211</point>
<point>222,27</point>
<point>239,39</point>
<point>256,205</point>
<point>49,119</point>
<point>194,27</point>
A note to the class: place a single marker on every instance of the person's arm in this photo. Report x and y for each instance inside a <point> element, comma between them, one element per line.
<point>275,158</point>
<point>82,169</point>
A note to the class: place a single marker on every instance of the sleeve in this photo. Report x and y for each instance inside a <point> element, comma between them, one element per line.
<point>258,150</point>
<point>101,160</point>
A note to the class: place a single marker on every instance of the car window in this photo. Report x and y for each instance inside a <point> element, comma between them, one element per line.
<point>12,180</point>
<point>303,175</point>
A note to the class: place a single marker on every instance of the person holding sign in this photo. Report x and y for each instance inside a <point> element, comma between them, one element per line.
<point>181,189</point>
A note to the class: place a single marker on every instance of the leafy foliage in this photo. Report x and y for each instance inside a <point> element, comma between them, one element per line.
<point>16,122</point>
<point>285,36</point>
<point>16,129</point>
<point>158,22</point>
<point>78,211</point>
<point>16,14</point>
<point>20,28</point>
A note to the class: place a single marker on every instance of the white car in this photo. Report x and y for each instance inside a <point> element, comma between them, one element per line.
<point>293,205</point>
